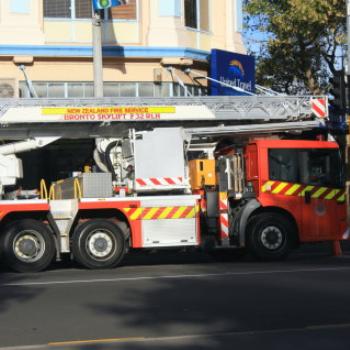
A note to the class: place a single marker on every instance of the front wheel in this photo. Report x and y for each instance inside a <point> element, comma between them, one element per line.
<point>98,244</point>
<point>27,246</point>
<point>269,236</point>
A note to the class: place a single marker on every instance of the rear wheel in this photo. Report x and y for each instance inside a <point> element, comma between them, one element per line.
<point>98,244</point>
<point>27,246</point>
<point>270,236</point>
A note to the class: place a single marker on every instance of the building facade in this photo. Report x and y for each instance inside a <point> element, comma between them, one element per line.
<point>148,46</point>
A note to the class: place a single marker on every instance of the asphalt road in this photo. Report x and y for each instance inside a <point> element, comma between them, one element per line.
<point>181,300</point>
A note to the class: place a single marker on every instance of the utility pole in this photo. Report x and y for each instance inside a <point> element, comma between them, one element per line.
<point>97,53</point>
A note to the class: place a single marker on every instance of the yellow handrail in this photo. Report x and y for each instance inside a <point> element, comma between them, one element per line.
<point>77,189</point>
<point>43,189</point>
<point>52,192</point>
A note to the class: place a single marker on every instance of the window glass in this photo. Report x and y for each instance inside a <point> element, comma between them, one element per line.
<point>146,89</point>
<point>162,90</point>
<point>111,89</point>
<point>57,8</point>
<point>128,89</point>
<point>83,9</point>
<point>204,15</point>
<point>40,89</point>
<point>315,167</point>
<point>88,90</point>
<point>125,12</point>
<point>197,10</point>
<point>63,8</point>
<point>320,167</point>
<point>56,90</point>
<point>283,165</point>
<point>75,90</point>
<point>191,13</point>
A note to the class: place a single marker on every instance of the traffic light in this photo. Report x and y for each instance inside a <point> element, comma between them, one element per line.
<point>338,91</point>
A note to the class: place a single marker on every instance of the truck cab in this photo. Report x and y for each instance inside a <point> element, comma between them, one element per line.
<point>298,182</point>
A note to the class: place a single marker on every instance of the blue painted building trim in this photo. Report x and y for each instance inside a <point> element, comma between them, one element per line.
<point>108,51</point>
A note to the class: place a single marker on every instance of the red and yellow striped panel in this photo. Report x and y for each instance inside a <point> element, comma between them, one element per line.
<point>292,189</point>
<point>161,213</point>
<point>223,201</point>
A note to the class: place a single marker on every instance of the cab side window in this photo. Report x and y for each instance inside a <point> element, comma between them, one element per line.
<point>320,167</point>
<point>283,165</point>
<point>315,167</point>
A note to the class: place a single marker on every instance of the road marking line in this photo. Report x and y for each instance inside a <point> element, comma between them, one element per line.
<point>95,341</point>
<point>143,278</point>
<point>26,347</point>
<point>178,337</point>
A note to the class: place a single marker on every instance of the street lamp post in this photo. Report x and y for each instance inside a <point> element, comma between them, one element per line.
<point>97,53</point>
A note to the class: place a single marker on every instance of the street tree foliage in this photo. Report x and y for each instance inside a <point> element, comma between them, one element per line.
<point>303,44</point>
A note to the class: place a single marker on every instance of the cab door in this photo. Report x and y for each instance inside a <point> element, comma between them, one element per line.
<point>320,176</point>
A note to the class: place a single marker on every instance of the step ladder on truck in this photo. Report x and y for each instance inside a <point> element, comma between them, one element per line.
<point>223,172</point>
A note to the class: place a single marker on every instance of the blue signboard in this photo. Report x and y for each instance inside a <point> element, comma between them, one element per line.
<point>231,69</point>
<point>105,4</point>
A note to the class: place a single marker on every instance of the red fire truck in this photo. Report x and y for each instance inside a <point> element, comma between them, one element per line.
<point>158,179</point>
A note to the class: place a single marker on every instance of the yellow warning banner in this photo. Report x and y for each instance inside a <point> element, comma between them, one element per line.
<point>107,113</point>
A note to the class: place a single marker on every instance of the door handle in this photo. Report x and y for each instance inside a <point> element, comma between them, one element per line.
<point>307,197</point>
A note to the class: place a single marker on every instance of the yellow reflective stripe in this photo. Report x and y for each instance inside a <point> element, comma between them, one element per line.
<point>267,186</point>
<point>341,198</point>
<point>165,213</point>
<point>319,192</point>
<point>127,209</point>
<point>179,212</point>
<point>191,214</point>
<point>332,194</point>
<point>293,189</point>
<point>150,214</point>
<point>223,196</point>
<point>137,213</point>
<point>279,188</point>
<point>306,189</point>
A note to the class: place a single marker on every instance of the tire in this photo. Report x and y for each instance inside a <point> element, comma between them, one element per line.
<point>27,246</point>
<point>270,236</point>
<point>98,244</point>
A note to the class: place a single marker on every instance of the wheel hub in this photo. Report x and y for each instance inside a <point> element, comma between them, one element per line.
<point>272,237</point>
<point>100,244</point>
<point>29,246</point>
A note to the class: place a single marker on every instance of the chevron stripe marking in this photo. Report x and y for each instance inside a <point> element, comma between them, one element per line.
<point>319,192</point>
<point>224,220</point>
<point>141,182</point>
<point>267,186</point>
<point>341,198</point>
<point>292,190</point>
<point>306,189</point>
<point>279,188</point>
<point>158,213</point>
<point>165,213</point>
<point>150,214</point>
<point>136,214</point>
<point>179,212</point>
<point>332,194</point>
<point>191,213</point>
